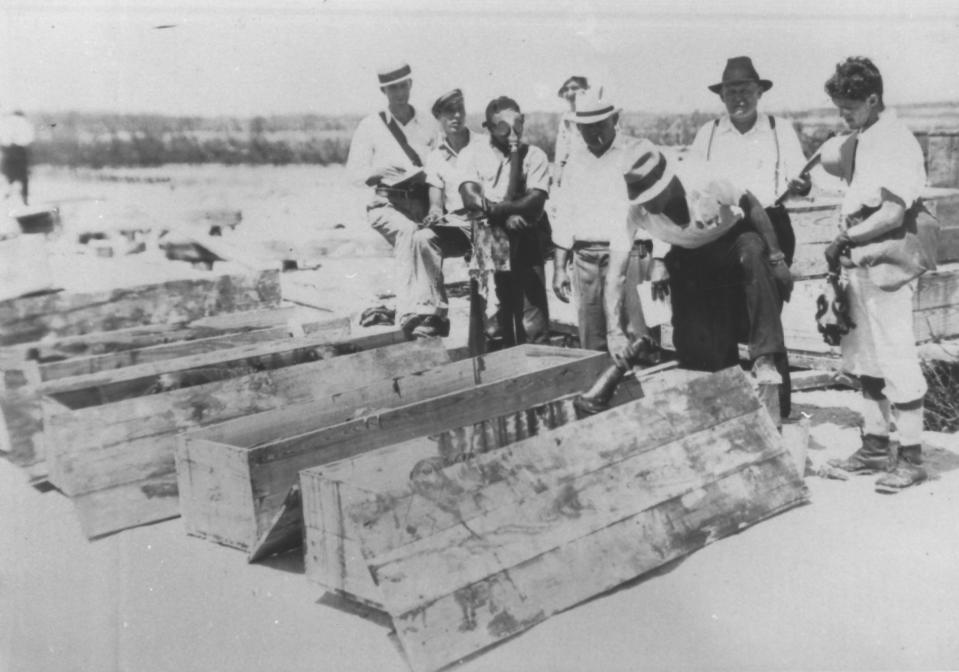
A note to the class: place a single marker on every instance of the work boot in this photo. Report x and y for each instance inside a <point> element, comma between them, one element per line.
<point>871,457</point>
<point>907,471</point>
<point>432,326</point>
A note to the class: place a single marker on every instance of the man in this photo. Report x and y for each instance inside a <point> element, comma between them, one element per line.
<point>512,185</point>
<point>591,212</point>
<point>761,153</point>
<point>16,136</point>
<point>758,152</point>
<point>725,271</point>
<point>387,154</point>
<point>566,134</point>
<point>882,196</point>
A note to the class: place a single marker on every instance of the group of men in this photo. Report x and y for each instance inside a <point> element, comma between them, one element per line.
<point>708,233</point>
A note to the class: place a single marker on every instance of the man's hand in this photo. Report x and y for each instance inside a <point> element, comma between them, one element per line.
<point>837,249</point>
<point>783,278</point>
<point>618,346</point>
<point>659,278</point>
<point>433,217</point>
<point>799,185</point>
<point>562,286</point>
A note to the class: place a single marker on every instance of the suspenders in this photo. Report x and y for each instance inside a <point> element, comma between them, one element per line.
<point>772,125</point>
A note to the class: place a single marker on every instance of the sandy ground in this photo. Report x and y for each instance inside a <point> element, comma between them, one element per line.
<point>854,580</point>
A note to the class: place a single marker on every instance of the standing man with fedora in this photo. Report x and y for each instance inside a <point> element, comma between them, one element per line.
<point>387,155</point>
<point>590,226</point>
<point>759,152</point>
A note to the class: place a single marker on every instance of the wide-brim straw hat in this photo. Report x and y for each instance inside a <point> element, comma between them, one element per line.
<point>592,109</point>
<point>649,175</point>
<point>837,155</point>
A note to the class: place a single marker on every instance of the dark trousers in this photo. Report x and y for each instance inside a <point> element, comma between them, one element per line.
<point>14,160</point>
<point>724,293</point>
<point>783,227</point>
<point>523,314</point>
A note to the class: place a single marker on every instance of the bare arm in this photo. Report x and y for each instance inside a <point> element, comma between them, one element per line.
<point>889,216</point>
<point>529,205</point>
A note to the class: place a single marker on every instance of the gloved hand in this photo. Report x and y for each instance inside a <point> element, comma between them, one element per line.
<point>473,198</point>
<point>837,249</point>
<point>432,218</point>
<point>659,277</point>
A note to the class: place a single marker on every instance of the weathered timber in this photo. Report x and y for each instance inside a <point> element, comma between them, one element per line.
<point>334,560</point>
<point>238,504</point>
<point>64,313</point>
<point>107,447</point>
<point>22,430</point>
<point>471,554</point>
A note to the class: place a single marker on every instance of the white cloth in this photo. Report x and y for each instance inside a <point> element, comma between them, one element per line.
<point>888,156</point>
<point>483,162</point>
<point>15,130</point>
<point>713,204</point>
<point>373,147</point>
<point>762,160</point>
<point>443,171</point>
<point>593,205</point>
<point>882,344</point>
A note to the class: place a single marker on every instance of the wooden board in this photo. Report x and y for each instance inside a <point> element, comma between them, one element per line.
<point>469,555</point>
<point>237,504</point>
<point>22,428</point>
<point>107,447</point>
<point>64,313</point>
<point>334,560</point>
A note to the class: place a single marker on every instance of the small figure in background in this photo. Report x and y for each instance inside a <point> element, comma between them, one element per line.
<point>16,137</point>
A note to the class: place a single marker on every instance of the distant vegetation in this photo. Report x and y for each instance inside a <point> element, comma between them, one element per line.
<point>111,140</point>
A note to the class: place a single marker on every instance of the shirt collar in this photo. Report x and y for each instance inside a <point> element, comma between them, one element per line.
<point>390,117</point>
<point>761,125</point>
<point>445,146</point>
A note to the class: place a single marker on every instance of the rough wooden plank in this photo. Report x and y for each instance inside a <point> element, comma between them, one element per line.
<point>340,328</point>
<point>395,411</point>
<point>471,554</point>
<point>97,447</point>
<point>63,314</point>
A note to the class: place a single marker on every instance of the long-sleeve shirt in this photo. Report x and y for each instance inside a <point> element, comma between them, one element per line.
<point>762,160</point>
<point>374,148</point>
<point>593,204</point>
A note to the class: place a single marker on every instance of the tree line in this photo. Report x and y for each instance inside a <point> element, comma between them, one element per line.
<point>94,140</point>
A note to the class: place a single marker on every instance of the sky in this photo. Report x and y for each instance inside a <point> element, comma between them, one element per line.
<point>213,57</point>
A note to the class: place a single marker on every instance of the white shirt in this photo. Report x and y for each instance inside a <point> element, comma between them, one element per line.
<point>374,148</point>
<point>593,204</point>
<point>483,162</point>
<point>750,159</point>
<point>888,156</point>
<point>443,170</point>
<point>15,130</point>
<point>713,203</point>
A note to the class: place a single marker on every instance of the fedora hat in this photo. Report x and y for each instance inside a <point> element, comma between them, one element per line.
<point>648,176</point>
<point>394,73</point>
<point>740,69</point>
<point>591,108</point>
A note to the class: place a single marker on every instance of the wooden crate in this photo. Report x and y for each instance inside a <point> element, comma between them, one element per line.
<point>26,366</point>
<point>235,478</point>
<point>110,445</point>
<point>468,555</point>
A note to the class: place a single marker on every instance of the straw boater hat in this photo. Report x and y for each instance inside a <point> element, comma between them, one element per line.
<point>738,70</point>
<point>649,175</point>
<point>591,108</point>
<point>394,73</point>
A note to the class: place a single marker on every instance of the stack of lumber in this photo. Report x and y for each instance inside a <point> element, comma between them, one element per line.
<point>464,555</point>
<point>235,478</point>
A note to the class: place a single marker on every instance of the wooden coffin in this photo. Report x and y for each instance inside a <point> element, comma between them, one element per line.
<point>27,366</point>
<point>468,555</point>
<point>110,446</point>
<point>235,478</point>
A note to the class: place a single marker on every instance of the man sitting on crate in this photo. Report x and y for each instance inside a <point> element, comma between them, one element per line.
<point>387,154</point>
<point>507,184</point>
<point>725,271</point>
